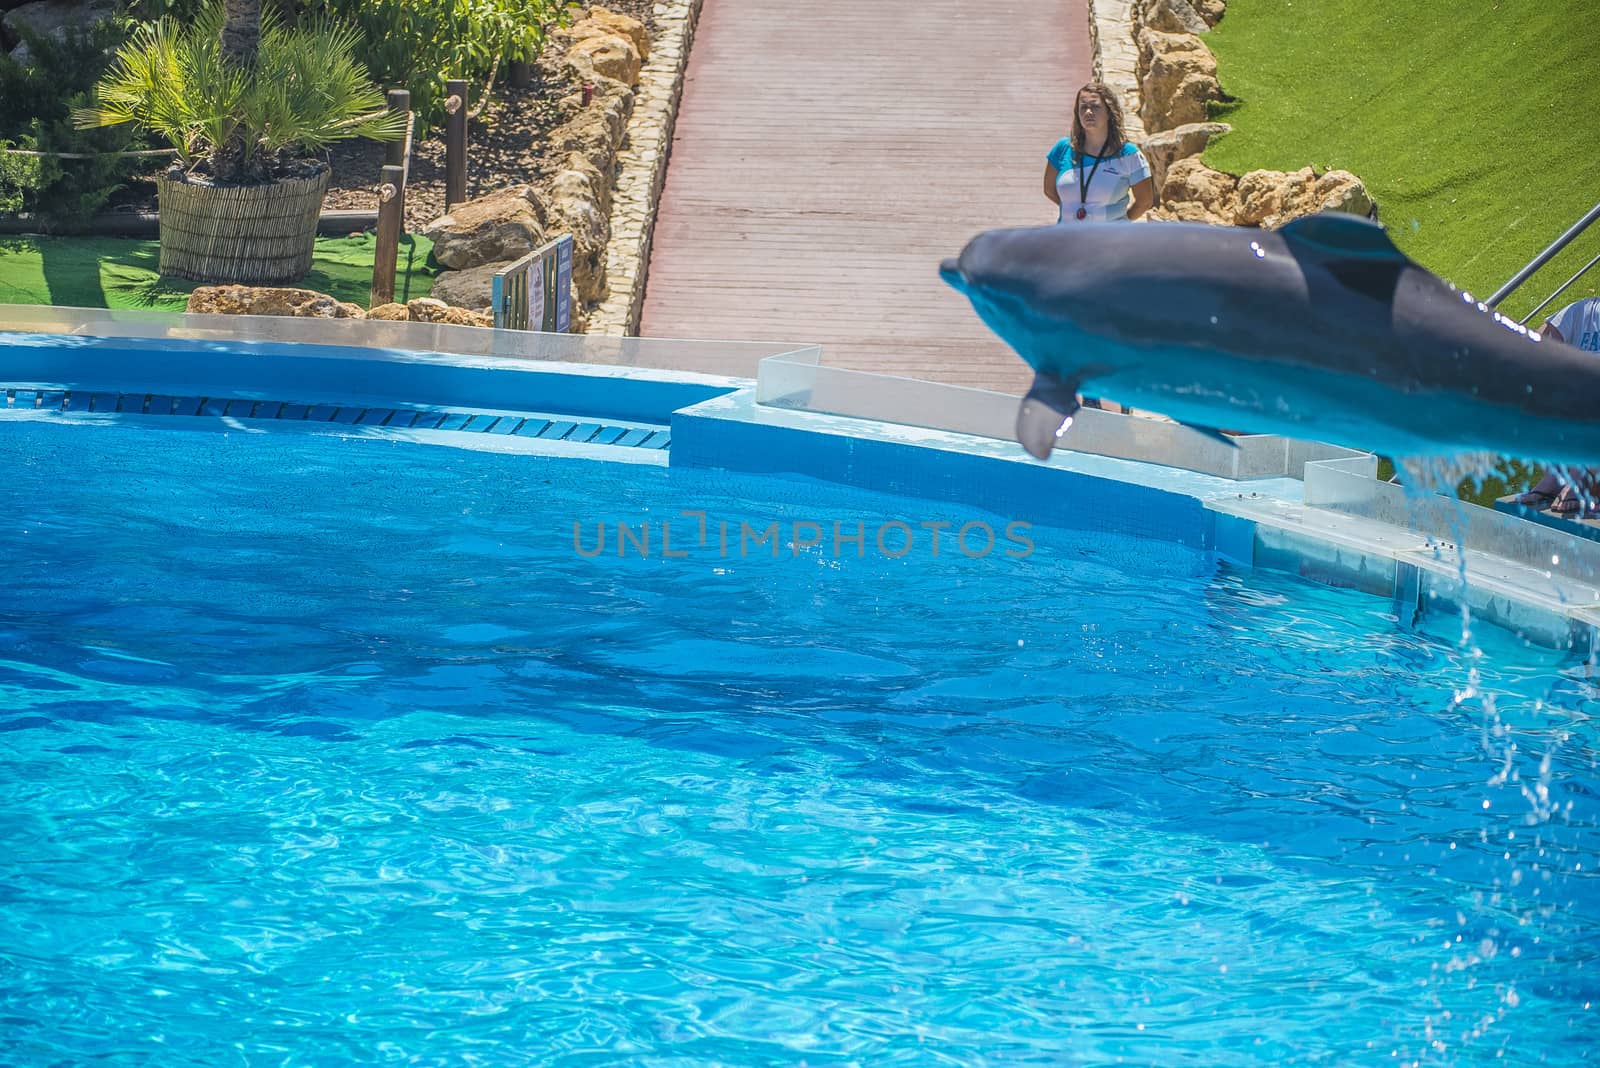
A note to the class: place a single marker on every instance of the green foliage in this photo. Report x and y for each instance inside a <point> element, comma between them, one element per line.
<point>36,101</point>
<point>418,44</point>
<point>1471,124</point>
<point>154,10</point>
<point>306,91</point>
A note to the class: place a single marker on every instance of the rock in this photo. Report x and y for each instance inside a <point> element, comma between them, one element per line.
<point>597,131</point>
<point>1171,16</point>
<point>1260,196</point>
<point>270,300</point>
<point>588,180</point>
<point>500,226</point>
<point>1210,10</point>
<point>602,23</point>
<point>1167,147</point>
<point>1342,191</point>
<point>468,317</point>
<point>431,310</point>
<point>470,288</point>
<point>53,18</point>
<point>1195,193</point>
<point>575,208</point>
<point>1178,77</point>
<point>427,309</point>
<point>609,56</point>
<point>1272,198</point>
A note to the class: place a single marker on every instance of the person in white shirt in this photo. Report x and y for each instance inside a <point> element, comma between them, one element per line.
<point>1096,175</point>
<point>1578,324</point>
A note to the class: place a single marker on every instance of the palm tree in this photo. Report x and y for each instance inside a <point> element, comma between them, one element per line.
<point>240,42</point>
<point>249,103</point>
<point>241,33</point>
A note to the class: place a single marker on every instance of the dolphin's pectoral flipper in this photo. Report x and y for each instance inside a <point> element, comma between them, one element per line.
<point>1213,433</point>
<point>1045,414</point>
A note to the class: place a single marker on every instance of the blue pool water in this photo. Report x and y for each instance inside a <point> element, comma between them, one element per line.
<point>338,752</point>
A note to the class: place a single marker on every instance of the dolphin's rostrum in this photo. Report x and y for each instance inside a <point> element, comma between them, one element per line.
<point>1321,330</point>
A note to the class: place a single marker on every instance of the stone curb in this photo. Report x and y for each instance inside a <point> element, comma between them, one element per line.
<point>642,167</point>
<point>1116,58</point>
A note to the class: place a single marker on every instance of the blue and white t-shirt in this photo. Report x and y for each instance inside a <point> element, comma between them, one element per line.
<point>1579,323</point>
<point>1106,197</point>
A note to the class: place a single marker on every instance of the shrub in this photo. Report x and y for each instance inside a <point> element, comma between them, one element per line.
<point>36,101</point>
<point>305,91</point>
<point>418,44</point>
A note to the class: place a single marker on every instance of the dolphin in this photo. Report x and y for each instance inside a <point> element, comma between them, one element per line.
<point>1321,330</point>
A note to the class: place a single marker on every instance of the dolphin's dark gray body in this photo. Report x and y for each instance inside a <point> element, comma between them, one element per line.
<point>1321,330</point>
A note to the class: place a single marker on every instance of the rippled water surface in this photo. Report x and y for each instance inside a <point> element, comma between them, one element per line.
<point>327,752</point>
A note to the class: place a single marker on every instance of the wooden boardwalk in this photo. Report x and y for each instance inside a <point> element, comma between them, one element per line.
<point>827,155</point>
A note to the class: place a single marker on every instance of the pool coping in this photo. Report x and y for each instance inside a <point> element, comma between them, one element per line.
<point>1316,511</point>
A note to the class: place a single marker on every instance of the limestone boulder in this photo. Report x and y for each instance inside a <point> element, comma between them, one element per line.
<point>1260,194</point>
<point>575,208</point>
<point>1167,147</point>
<point>1171,16</point>
<point>607,56</point>
<point>599,22</point>
<point>586,180</point>
<point>471,288</point>
<point>1210,10</point>
<point>1342,191</point>
<point>434,310</point>
<point>1177,78</point>
<point>270,300</point>
<point>597,131</point>
<point>1194,192</point>
<point>390,312</point>
<point>1272,198</point>
<point>501,226</point>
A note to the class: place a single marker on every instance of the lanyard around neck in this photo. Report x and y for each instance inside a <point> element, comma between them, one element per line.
<point>1083,184</point>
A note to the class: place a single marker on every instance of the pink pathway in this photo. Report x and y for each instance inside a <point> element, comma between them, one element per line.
<point>828,154</point>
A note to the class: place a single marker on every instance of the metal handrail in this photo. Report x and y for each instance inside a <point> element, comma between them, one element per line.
<point>1562,288</point>
<point>1544,257</point>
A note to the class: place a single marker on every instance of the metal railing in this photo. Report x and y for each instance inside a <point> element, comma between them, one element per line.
<point>1545,257</point>
<point>535,292</point>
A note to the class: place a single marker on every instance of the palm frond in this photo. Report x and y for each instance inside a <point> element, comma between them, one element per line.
<point>306,90</point>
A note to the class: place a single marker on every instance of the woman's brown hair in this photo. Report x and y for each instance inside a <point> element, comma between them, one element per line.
<point>1114,138</point>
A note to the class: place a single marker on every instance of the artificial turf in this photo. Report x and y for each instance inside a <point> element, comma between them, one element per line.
<point>1473,124</point>
<point>110,272</point>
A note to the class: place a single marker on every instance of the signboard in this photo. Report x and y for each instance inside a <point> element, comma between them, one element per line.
<point>535,292</point>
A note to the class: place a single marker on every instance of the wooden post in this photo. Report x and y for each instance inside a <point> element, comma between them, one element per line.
<point>390,203</point>
<point>396,153</point>
<point>455,143</point>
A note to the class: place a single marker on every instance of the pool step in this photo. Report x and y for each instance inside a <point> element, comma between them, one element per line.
<point>464,421</point>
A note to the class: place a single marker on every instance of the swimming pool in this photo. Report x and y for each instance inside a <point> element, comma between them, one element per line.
<point>323,750</point>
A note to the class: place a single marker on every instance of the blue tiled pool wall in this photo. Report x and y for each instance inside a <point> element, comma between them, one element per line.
<point>283,371</point>
<point>247,409</point>
<point>1029,492</point>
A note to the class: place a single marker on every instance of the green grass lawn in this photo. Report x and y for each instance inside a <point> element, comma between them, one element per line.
<point>108,272</point>
<point>1475,125</point>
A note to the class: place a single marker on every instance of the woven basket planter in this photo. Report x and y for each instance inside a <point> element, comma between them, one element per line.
<point>248,234</point>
